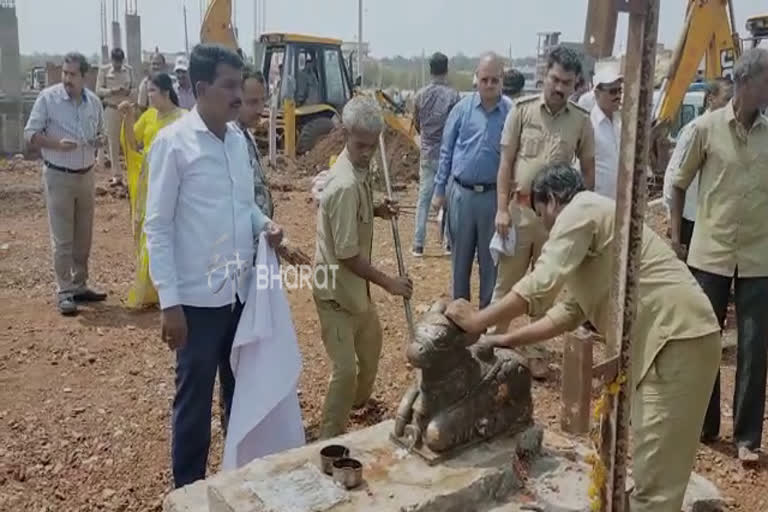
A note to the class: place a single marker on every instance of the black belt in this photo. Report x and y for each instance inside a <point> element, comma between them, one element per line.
<point>479,187</point>
<point>64,169</point>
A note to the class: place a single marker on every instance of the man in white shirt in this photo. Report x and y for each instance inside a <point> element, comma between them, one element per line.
<point>156,65</point>
<point>606,123</point>
<point>183,84</point>
<point>719,93</point>
<point>201,225</point>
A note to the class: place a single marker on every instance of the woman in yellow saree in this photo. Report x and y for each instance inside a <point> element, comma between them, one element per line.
<point>164,110</point>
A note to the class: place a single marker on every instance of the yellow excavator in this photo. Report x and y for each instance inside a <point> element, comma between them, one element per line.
<point>709,34</point>
<point>307,74</point>
<point>312,83</point>
<point>308,77</point>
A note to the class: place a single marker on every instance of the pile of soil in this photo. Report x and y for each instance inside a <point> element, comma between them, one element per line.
<point>402,155</point>
<point>318,158</point>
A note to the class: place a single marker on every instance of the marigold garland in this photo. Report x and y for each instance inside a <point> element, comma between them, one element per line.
<point>598,470</point>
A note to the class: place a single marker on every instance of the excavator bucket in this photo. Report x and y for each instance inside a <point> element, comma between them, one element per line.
<point>217,24</point>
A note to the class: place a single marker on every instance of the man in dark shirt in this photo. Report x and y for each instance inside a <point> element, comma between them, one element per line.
<point>431,108</point>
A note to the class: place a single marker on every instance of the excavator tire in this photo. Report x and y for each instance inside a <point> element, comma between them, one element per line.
<point>312,132</point>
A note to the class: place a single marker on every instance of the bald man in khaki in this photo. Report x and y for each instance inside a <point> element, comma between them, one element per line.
<point>539,131</point>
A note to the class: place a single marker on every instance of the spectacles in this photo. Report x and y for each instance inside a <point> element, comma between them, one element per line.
<point>613,91</point>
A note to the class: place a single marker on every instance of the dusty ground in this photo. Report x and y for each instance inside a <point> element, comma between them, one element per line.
<point>84,401</point>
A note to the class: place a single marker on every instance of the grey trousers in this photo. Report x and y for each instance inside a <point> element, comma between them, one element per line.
<point>471,223</point>
<point>70,200</point>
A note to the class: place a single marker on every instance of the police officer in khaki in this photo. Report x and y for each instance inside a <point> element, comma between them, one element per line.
<point>348,320</point>
<point>676,340</point>
<point>540,130</point>
<point>114,85</point>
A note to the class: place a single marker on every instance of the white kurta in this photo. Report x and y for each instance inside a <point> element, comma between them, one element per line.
<point>607,148</point>
<point>266,362</point>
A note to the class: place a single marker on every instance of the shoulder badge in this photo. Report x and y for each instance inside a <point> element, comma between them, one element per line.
<point>527,99</point>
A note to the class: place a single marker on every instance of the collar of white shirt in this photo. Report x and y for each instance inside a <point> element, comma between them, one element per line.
<point>598,116</point>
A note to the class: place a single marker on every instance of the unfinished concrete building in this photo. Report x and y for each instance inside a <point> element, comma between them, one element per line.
<point>13,107</point>
<point>133,36</point>
<point>117,37</point>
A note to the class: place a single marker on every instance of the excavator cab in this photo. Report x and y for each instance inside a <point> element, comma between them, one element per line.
<point>757,26</point>
<point>312,83</point>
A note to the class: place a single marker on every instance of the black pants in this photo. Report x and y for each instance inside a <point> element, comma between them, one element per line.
<point>211,332</point>
<point>686,232</point>
<point>751,298</point>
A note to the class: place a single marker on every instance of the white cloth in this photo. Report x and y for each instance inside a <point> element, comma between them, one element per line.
<point>503,246</point>
<point>266,363</point>
<point>201,220</point>
<point>684,141</point>
<point>318,184</point>
<point>607,147</point>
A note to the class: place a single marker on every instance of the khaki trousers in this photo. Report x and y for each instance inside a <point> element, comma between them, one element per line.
<point>70,201</point>
<point>113,122</point>
<point>353,344</point>
<point>668,410</point>
<point>530,237</point>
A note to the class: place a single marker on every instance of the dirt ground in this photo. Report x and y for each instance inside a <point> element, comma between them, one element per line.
<point>85,401</point>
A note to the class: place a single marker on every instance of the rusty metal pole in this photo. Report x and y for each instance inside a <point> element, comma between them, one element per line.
<point>628,231</point>
<point>396,236</point>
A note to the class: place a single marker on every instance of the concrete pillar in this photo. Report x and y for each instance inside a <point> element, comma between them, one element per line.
<point>117,40</point>
<point>600,30</point>
<point>11,79</point>
<point>133,42</point>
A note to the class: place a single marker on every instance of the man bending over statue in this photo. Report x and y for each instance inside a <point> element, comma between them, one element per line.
<point>676,349</point>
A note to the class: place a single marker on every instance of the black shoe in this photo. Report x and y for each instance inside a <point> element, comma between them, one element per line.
<point>88,295</point>
<point>67,305</point>
<point>418,252</point>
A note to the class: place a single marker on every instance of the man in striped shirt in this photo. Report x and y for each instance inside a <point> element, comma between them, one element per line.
<point>67,124</point>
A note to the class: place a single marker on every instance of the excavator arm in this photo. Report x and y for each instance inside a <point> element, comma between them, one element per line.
<point>709,34</point>
<point>397,118</point>
<point>217,24</point>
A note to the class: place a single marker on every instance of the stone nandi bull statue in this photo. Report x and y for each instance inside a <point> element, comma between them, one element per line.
<point>464,395</point>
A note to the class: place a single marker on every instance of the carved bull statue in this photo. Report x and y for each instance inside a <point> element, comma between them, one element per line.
<point>464,395</point>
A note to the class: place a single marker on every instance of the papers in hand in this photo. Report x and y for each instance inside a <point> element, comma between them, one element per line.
<point>503,246</point>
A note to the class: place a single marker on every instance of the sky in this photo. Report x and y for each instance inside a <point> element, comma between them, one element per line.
<point>393,27</point>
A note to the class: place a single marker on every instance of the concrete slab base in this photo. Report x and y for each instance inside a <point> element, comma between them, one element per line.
<point>505,475</point>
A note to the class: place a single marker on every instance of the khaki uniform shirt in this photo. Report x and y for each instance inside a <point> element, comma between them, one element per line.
<point>344,230</point>
<point>109,79</point>
<point>579,255</point>
<point>540,138</point>
<point>732,208</point>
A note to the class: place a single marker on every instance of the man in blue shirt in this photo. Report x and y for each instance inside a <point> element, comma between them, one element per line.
<point>469,157</point>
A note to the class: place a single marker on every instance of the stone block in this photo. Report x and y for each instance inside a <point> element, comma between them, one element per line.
<point>485,477</point>
<point>393,479</point>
